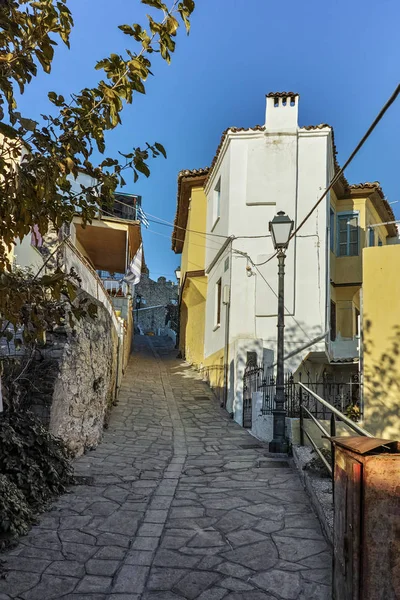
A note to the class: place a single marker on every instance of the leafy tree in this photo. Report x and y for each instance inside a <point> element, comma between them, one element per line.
<point>37,160</point>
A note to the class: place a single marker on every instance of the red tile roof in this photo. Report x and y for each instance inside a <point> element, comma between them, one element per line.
<point>282,94</point>
<point>182,206</point>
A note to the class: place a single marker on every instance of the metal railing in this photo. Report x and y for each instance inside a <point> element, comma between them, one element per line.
<point>116,287</point>
<point>344,395</point>
<point>90,281</point>
<point>334,413</point>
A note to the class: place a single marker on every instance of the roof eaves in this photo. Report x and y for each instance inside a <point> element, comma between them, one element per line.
<point>178,234</point>
<point>222,140</point>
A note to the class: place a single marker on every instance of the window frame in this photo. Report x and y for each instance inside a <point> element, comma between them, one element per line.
<point>332,222</point>
<point>216,202</point>
<point>357,314</point>
<point>332,322</point>
<point>347,215</point>
<point>218,303</point>
<point>371,231</point>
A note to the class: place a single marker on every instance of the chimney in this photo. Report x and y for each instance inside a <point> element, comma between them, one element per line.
<point>282,112</point>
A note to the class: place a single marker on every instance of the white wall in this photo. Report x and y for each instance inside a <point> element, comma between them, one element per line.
<point>26,255</point>
<point>263,172</point>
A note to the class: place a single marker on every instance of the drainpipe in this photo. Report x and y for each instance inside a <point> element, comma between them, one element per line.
<point>227,328</point>
<point>226,351</point>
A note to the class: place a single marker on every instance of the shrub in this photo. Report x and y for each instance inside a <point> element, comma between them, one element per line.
<point>33,459</point>
<point>15,515</point>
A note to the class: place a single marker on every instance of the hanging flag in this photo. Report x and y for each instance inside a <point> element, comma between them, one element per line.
<point>142,216</point>
<point>134,271</point>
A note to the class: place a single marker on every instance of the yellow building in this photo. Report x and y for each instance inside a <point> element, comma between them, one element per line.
<point>381,341</point>
<point>190,219</point>
<point>360,218</point>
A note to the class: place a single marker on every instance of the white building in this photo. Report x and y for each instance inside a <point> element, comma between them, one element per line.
<point>256,173</point>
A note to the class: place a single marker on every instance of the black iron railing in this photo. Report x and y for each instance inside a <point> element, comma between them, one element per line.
<point>335,414</point>
<point>343,395</point>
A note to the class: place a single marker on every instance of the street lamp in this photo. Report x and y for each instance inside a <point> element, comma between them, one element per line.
<point>178,274</point>
<point>281,228</point>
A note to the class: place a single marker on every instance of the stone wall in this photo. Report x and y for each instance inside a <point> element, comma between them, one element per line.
<point>70,383</point>
<point>153,293</point>
<point>85,386</point>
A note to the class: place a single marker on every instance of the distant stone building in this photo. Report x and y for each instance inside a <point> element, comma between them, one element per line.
<point>153,303</point>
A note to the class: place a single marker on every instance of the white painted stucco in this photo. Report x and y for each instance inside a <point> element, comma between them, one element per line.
<point>287,168</point>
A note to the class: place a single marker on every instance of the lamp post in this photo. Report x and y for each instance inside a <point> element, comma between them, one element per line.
<point>178,325</point>
<point>280,227</point>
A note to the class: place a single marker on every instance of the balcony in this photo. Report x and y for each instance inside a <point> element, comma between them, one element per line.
<point>343,349</point>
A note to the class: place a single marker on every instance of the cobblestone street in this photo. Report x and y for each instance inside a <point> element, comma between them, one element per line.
<point>179,503</point>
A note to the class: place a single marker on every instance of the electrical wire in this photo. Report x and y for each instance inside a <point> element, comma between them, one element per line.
<point>270,287</point>
<point>106,212</point>
<point>166,223</point>
<point>360,144</point>
<point>169,238</point>
<point>337,176</point>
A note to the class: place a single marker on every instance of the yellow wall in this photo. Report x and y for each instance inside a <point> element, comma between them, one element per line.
<point>194,250</point>
<point>381,340</point>
<point>213,372</point>
<point>348,269</point>
<point>193,300</point>
<point>346,300</point>
<point>193,312</point>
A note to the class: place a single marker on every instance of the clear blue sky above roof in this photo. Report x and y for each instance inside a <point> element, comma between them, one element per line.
<point>342,58</point>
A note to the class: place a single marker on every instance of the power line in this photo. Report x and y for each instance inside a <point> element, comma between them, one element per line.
<point>168,223</point>
<point>270,287</point>
<point>162,234</point>
<point>168,238</point>
<point>342,169</point>
<point>351,157</point>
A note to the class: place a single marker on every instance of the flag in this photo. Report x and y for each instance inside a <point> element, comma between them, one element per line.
<point>142,217</point>
<point>134,271</point>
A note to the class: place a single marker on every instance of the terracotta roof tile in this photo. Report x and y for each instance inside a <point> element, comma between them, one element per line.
<point>222,140</point>
<point>282,94</point>
<point>178,234</point>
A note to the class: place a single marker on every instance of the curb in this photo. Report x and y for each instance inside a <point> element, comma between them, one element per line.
<point>322,506</point>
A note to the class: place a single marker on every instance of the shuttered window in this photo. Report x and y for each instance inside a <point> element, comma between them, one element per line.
<point>348,234</point>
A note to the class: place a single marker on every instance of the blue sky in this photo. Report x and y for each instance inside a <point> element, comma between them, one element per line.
<point>342,57</point>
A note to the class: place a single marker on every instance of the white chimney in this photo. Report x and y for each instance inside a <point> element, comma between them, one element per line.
<point>282,112</point>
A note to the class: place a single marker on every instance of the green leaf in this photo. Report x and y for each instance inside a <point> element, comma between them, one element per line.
<point>161,149</point>
<point>8,131</point>
<point>127,29</point>
<point>154,3</point>
<point>189,4</point>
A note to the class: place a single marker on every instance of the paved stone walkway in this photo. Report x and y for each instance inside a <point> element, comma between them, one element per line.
<point>181,503</point>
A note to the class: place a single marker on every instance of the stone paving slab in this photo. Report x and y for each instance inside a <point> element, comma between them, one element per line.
<point>180,503</point>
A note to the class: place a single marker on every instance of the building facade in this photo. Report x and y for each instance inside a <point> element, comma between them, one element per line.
<point>191,218</point>
<point>281,166</point>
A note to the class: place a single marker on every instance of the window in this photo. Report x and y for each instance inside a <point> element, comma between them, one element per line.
<point>357,316</point>
<point>218,299</point>
<point>347,234</point>
<point>371,237</point>
<point>226,265</point>
<point>217,201</point>
<point>333,321</point>
<point>332,228</point>
<point>380,243</point>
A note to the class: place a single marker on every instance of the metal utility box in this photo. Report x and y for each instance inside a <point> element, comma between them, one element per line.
<point>366,562</point>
